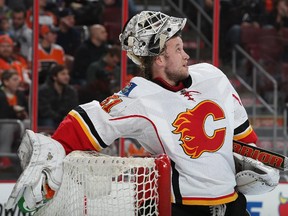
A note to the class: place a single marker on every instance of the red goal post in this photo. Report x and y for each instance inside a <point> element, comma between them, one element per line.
<point>97,184</point>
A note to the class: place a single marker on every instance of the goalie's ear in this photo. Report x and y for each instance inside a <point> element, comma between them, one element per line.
<point>254,177</point>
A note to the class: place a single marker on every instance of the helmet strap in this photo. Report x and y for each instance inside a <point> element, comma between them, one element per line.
<point>134,58</point>
<point>162,41</point>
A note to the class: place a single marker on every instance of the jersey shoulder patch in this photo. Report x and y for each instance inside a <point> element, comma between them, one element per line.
<point>127,89</point>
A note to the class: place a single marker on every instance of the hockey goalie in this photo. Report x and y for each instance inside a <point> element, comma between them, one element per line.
<point>191,113</point>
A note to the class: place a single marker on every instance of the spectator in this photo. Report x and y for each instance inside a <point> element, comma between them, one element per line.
<point>108,64</point>
<point>56,97</point>
<point>17,55</point>
<point>278,17</point>
<point>20,32</point>
<point>49,52</point>
<point>86,12</point>
<point>4,9</point>
<point>90,51</point>
<point>16,3</point>
<point>118,4</point>
<point>13,105</point>
<point>67,36</point>
<point>7,61</point>
<point>4,25</point>
<point>45,17</point>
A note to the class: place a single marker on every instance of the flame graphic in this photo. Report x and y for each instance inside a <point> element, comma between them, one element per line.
<point>190,125</point>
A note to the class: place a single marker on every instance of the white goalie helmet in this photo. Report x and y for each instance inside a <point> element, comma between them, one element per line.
<point>146,33</point>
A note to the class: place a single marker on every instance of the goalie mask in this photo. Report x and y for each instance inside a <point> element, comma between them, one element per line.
<point>146,33</point>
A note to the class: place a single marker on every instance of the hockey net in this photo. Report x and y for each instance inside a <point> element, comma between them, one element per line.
<point>102,185</point>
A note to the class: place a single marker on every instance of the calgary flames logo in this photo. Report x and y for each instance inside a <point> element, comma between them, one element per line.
<point>191,126</point>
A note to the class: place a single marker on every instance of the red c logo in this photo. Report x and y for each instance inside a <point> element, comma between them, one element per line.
<point>191,126</point>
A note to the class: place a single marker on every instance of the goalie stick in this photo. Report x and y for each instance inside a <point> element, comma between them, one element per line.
<point>269,158</point>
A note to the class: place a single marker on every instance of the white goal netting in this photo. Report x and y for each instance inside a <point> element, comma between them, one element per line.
<point>101,185</point>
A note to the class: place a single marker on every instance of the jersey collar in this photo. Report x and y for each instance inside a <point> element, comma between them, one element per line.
<point>181,85</point>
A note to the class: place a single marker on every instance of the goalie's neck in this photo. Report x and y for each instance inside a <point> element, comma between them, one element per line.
<point>181,85</point>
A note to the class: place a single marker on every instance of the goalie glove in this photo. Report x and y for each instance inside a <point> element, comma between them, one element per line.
<point>41,159</point>
<point>253,177</point>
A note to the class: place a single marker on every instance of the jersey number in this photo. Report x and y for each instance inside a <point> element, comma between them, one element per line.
<point>110,102</point>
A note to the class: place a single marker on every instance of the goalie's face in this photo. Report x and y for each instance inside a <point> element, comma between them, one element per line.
<point>175,61</point>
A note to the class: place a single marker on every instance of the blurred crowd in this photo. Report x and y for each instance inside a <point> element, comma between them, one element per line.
<point>261,28</point>
<point>71,34</point>
<point>78,61</point>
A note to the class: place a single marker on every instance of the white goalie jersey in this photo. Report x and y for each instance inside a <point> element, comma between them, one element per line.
<point>194,126</point>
